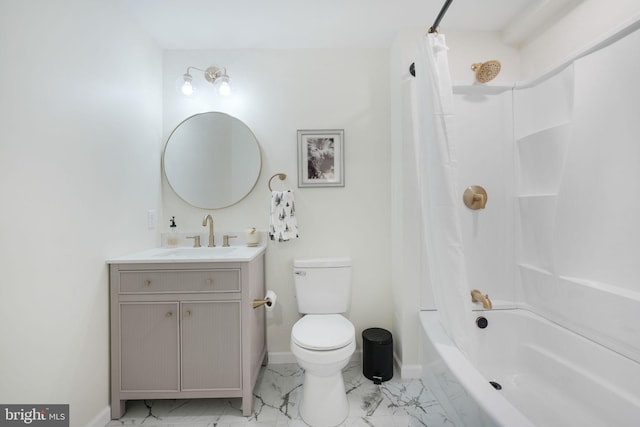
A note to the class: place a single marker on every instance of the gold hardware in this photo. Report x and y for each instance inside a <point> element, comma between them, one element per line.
<point>147,282</point>
<point>169,314</point>
<point>282,177</point>
<point>475,197</point>
<point>260,302</point>
<point>209,281</point>
<point>486,71</point>
<point>476,296</point>
<point>187,313</point>
<point>196,241</point>
<point>209,219</point>
<point>225,240</point>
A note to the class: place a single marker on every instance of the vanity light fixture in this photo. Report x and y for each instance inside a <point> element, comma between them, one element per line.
<point>216,76</point>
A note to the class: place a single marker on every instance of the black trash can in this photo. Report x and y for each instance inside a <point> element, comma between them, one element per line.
<point>377,354</point>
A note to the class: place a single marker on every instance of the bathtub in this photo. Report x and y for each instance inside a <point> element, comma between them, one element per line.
<point>549,376</point>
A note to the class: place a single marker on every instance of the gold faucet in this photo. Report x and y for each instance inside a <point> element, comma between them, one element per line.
<point>209,219</point>
<point>476,296</point>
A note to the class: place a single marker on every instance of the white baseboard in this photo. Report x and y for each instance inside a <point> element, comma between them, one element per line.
<point>406,370</point>
<point>410,371</point>
<point>279,358</point>
<point>102,419</point>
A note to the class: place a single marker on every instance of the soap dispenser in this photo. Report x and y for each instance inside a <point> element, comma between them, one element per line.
<point>172,237</point>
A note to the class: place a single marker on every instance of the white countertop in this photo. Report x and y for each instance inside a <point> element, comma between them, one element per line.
<point>188,254</point>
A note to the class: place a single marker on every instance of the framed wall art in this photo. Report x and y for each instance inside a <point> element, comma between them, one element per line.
<point>321,158</point>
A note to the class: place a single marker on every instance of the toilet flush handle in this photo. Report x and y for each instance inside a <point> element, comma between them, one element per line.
<point>301,273</point>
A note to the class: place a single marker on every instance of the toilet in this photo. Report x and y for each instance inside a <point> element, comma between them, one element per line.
<point>323,340</point>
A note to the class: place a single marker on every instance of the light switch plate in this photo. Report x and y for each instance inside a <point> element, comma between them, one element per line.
<point>151,219</point>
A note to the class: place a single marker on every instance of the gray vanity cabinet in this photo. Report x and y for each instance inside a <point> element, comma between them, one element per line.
<point>186,330</point>
<point>213,363</point>
<point>149,356</point>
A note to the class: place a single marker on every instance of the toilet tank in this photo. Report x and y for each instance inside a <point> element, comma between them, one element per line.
<point>322,285</point>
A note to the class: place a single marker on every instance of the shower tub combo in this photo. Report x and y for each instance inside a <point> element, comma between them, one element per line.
<point>527,371</point>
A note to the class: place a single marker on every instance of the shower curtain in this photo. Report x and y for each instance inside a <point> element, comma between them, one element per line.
<point>437,184</point>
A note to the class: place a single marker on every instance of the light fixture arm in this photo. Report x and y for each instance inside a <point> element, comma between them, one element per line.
<point>211,73</point>
<point>194,68</point>
<point>214,75</point>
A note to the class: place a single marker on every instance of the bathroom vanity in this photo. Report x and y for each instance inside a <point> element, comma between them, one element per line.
<point>183,325</point>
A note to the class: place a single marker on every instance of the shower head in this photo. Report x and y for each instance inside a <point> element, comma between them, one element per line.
<point>486,71</point>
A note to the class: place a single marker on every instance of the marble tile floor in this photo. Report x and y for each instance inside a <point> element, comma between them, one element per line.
<point>394,403</point>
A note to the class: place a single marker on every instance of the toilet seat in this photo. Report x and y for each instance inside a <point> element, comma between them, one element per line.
<point>323,332</point>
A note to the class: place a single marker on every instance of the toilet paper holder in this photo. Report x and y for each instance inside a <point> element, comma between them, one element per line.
<point>260,302</point>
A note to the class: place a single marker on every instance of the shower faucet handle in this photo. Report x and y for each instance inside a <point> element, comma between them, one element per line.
<point>475,197</point>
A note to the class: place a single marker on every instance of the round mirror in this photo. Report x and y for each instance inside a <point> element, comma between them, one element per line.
<point>212,160</point>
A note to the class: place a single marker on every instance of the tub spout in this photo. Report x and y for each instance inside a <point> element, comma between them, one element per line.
<point>476,296</point>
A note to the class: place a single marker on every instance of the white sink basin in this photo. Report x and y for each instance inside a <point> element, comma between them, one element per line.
<point>189,254</point>
<point>204,252</point>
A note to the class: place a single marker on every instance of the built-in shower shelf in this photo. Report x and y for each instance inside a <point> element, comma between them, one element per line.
<point>604,287</point>
<point>603,312</point>
<point>554,133</point>
<point>541,159</point>
<point>464,88</point>
<point>533,268</point>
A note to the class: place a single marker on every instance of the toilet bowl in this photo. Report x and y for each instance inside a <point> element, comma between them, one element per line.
<point>323,340</point>
<point>323,345</point>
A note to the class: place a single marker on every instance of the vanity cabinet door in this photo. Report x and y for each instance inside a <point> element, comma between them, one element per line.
<point>211,345</point>
<point>149,346</point>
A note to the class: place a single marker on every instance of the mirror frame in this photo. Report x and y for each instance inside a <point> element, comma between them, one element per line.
<point>244,196</point>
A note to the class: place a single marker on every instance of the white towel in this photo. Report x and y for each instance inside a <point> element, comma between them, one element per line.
<point>283,226</point>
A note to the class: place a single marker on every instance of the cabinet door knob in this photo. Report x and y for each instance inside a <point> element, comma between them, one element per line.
<point>187,313</point>
<point>169,314</point>
<point>147,282</point>
<point>209,281</point>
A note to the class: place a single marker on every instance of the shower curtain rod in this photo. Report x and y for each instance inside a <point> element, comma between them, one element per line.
<point>433,29</point>
<point>436,24</point>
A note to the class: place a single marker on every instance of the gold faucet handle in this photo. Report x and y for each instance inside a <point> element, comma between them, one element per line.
<point>475,197</point>
<point>196,241</point>
<point>225,240</point>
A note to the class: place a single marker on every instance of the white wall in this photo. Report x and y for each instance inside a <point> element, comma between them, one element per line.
<point>79,167</point>
<point>589,23</point>
<point>407,252</point>
<point>277,92</point>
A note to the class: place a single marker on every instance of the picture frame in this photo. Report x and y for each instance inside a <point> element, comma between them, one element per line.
<point>321,158</point>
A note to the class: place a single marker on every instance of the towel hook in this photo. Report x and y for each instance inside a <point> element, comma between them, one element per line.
<point>282,177</point>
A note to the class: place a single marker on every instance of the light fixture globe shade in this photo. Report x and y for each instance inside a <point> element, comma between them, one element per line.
<point>187,89</point>
<point>221,85</point>
<point>184,85</point>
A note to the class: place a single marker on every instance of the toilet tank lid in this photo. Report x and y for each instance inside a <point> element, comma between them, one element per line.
<point>322,262</point>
